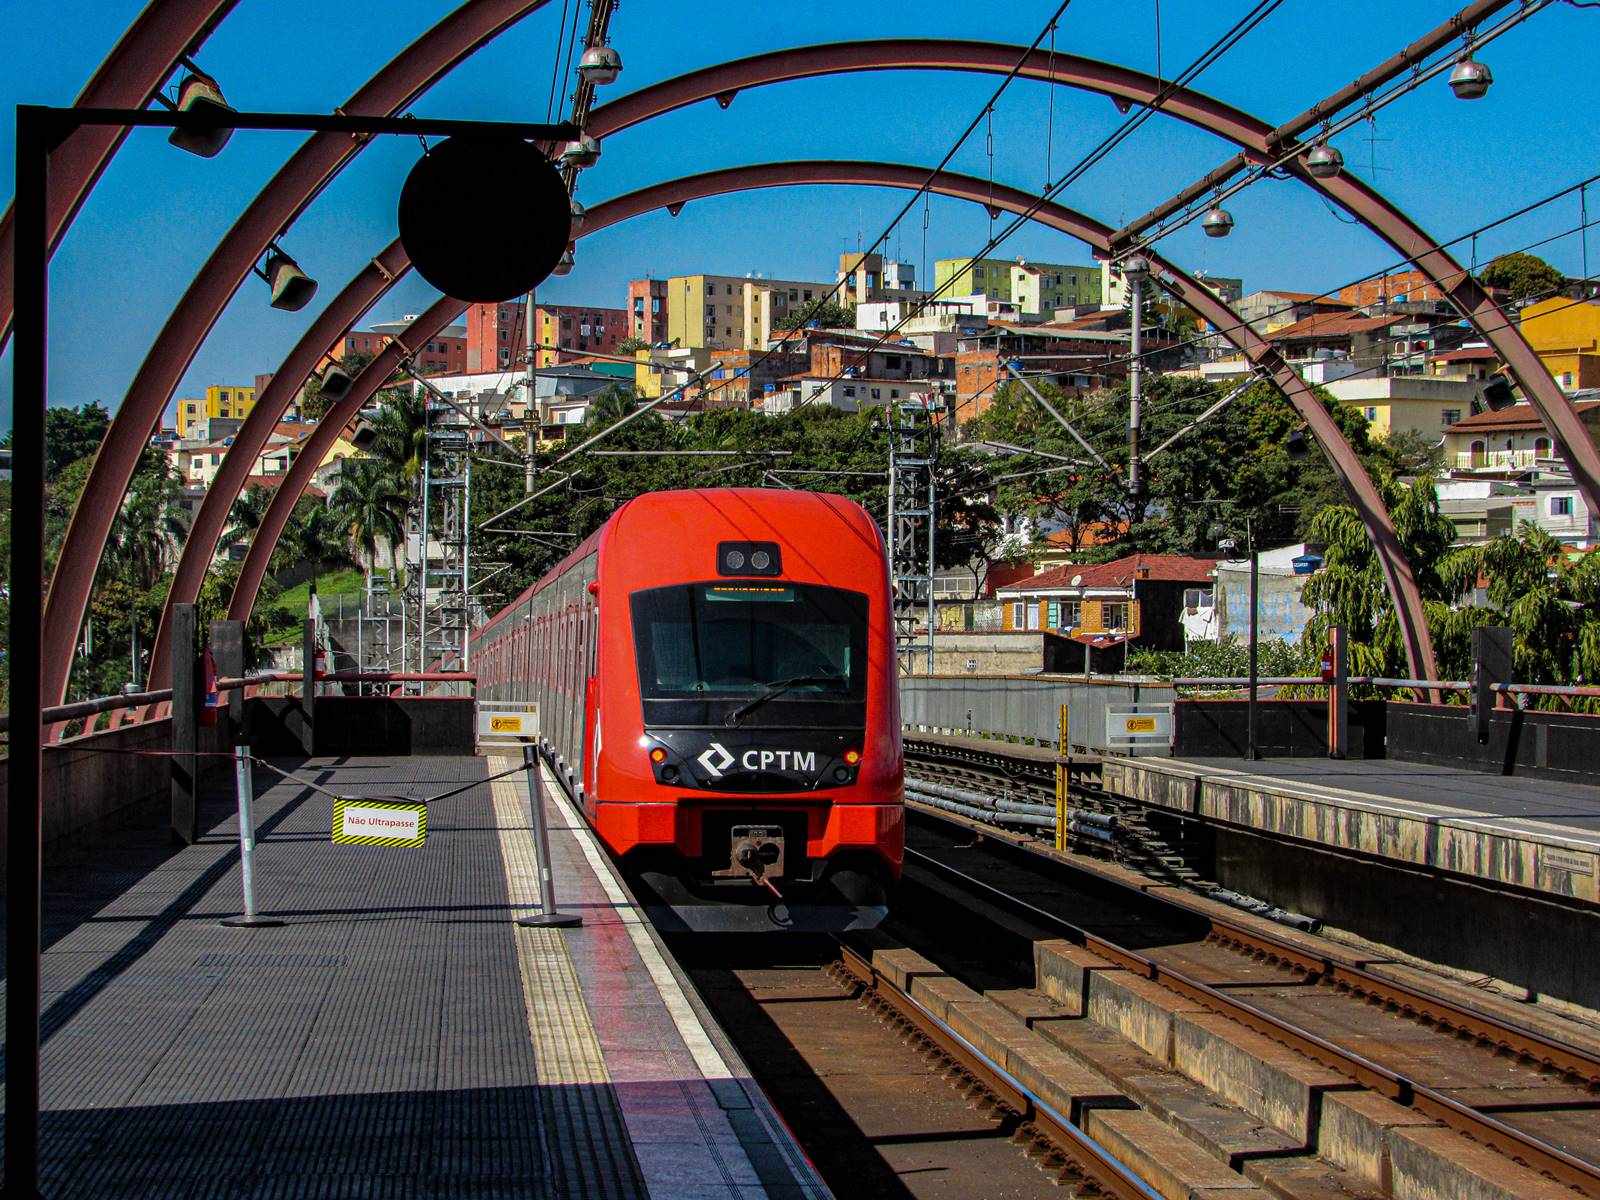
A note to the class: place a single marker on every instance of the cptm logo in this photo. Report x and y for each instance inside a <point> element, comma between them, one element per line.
<point>716,759</point>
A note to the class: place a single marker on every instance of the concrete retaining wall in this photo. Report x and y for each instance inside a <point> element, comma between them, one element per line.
<point>99,779</point>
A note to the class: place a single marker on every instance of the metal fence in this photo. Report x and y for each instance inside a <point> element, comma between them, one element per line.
<point>1023,708</point>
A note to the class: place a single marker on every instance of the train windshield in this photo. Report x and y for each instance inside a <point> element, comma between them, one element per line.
<point>751,653</point>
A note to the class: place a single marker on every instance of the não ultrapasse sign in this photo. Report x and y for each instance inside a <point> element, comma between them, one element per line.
<point>379,823</point>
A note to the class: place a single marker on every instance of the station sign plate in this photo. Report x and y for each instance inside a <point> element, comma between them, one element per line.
<point>1138,724</point>
<point>508,724</point>
<point>379,823</point>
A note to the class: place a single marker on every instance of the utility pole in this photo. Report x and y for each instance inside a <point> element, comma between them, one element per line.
<point>1253,751</point>
<point>1135,269</point>
<point>530,415</point>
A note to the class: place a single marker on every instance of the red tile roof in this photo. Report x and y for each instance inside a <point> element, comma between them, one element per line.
<point>1518,416</point>
<point>1468,354</point>
<point>1330,325</point>
<point>1308,298</point>
<point>1120,573</point>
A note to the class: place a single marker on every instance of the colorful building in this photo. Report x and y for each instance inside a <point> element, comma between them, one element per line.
<point>1038,288</point>
<point>731,312</point>
<point>1403,287</point>
<point>1566,336</point>
<point>564,332</point>
<point>233,401</point>
<point>647,310</point>
<point>1512,438</point>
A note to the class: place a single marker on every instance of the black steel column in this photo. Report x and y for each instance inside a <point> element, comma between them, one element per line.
<point>227,648</point>
<point>25,768</point>
<point>308,688</point>
<point>185,769</point>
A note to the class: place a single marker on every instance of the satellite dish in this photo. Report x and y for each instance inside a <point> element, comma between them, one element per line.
<point>484,219</point>
<point>1077,581</point>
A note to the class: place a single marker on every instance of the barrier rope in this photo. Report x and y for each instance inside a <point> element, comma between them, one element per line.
<point>300,779</point>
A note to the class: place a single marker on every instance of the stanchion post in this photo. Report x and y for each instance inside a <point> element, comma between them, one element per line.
<point>247,844</point>
<point>1338,694</point>
<point>548,916</point>
<point>1063,778</point>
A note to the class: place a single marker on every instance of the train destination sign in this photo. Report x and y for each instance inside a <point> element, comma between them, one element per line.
<point>379,823</point>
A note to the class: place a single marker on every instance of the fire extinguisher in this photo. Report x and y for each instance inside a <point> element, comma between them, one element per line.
<point>211,704</point>
<point>1327,666</point>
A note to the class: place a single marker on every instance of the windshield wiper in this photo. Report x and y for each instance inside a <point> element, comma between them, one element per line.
<point>777,689</point>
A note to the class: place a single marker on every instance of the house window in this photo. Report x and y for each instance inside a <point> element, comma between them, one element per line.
<point>1541,447</point>
<point>851,392</point>
<point>1197,597</point>
<point>1566,379</point>
<point>877,393</point>
<point>1480,451</point>
<point>1114,615</point>
<point>1450,416</point>
<point>1372,413</point>
<point>1560,506</point>
<point>1033,613</point>
<point>1019,610</point>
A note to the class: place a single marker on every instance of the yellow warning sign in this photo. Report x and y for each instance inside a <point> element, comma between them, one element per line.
<point>379,823</point>
<point>1139,724</point>
<point>505,724</point>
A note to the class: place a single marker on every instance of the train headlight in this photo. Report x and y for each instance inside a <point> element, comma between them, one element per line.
<point>852,757</point>
<point>749,558</point>
<point>760,560</point>
<point>658,755</point>
<point>735,560</point>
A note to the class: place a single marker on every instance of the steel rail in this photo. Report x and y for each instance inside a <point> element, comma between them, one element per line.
<point>129,77</point>
<point>1107,1172</point>
<point>319,159</point>
<point>1526,1148</point>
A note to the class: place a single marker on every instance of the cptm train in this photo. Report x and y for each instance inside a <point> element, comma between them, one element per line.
<point>715,675</point>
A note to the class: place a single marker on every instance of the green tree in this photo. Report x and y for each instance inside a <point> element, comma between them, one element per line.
<point>826,313</point>
<point>1525,277</point>
<point>370,502</point>
<point>245,517</point>
<point>401,427</point>
<point>632,345</point>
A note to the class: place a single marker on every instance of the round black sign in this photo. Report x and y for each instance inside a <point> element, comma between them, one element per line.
<point>484,220</point>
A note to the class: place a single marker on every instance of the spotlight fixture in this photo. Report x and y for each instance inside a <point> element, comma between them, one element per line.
<point>1324,161</point>
<point>599,65</point>
<point>335,383</point>
<point>200,94</point>
<point>565,264</point>
<point>579,215</point>
<point>292,288</point>
<point>1217,223</point>
<point>1470,79</point>
<point>584,152</point>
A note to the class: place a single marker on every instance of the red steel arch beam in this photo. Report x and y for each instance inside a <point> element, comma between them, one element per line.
<point>1260,142</point>
<point>296,184</point>
<point>1363,495</point>
<point>376,278</point>
<point>129,77</point>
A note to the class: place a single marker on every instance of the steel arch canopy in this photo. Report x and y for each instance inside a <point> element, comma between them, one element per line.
<point>1260,143</point>
<point>141,61</point>
<point>296,184</point>
<point>1359,487</point>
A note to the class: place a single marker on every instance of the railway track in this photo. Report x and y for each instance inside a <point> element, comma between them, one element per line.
<point>886,1097</point>
<point>1528,1094</point>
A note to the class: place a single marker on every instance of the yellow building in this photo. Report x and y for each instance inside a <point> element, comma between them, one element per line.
<point>733,312</point>
<point>1039,287</point>
<point>220,400</point>
<point>1566,336</point>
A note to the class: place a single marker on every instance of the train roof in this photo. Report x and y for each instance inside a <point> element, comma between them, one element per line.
<point>754,514</point>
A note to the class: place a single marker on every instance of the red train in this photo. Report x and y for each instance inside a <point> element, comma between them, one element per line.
<point>715,675</point>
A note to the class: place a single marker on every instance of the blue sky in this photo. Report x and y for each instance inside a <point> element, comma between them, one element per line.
<point>157,212</point>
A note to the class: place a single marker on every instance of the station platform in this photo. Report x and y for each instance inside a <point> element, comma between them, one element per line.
<point>1536,834</point>
<point>398,1035</point>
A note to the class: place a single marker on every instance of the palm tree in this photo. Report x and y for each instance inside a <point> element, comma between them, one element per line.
<point>245,517</point>
<point>401,425</point>
<point>149,526</point>
<point>369,504</point>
